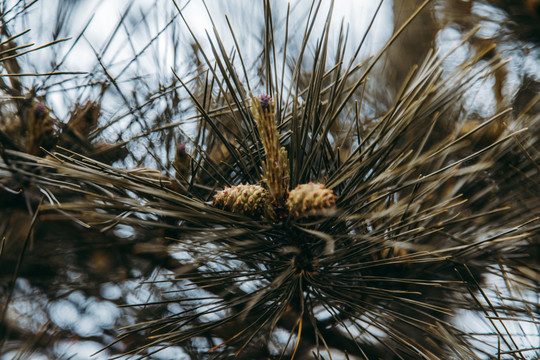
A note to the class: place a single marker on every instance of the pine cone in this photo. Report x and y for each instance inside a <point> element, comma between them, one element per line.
<point>311,200</point>
<point>250,200</point>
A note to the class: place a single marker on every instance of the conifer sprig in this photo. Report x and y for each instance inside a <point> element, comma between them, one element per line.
<point>380,235</point>
<point>276,162</point>
<point>402,243</point>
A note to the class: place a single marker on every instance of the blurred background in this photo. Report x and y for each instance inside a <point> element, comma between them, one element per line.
<point>113,79</point>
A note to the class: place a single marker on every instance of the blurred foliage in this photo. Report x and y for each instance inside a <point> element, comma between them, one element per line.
<point>373,206</point>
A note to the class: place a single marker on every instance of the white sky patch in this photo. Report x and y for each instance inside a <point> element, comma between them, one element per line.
<point>170,352</point>
<point>87,326</point>
<point>111,291</point>
<point>64,314</point>
<point>80,350</point>
<point>103,313</point>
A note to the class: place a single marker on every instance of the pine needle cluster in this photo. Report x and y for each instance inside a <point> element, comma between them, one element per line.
<point>295,224</point>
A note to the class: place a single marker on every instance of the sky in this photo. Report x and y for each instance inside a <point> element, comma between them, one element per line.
<point>88,315</point>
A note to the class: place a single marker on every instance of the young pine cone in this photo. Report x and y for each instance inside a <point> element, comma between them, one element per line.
<point>250,200</point>
<point>311,200</point>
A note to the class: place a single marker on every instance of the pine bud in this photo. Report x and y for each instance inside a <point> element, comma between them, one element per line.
<point>276,164</point>
<point>311,200</point>
<point>250,200</point>
<point>266,102</point>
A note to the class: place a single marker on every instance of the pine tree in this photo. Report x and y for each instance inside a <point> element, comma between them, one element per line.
<point>302,218</point>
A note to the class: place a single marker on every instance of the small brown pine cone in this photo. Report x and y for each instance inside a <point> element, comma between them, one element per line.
<point>250,200</point>
<point>311,200</point>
